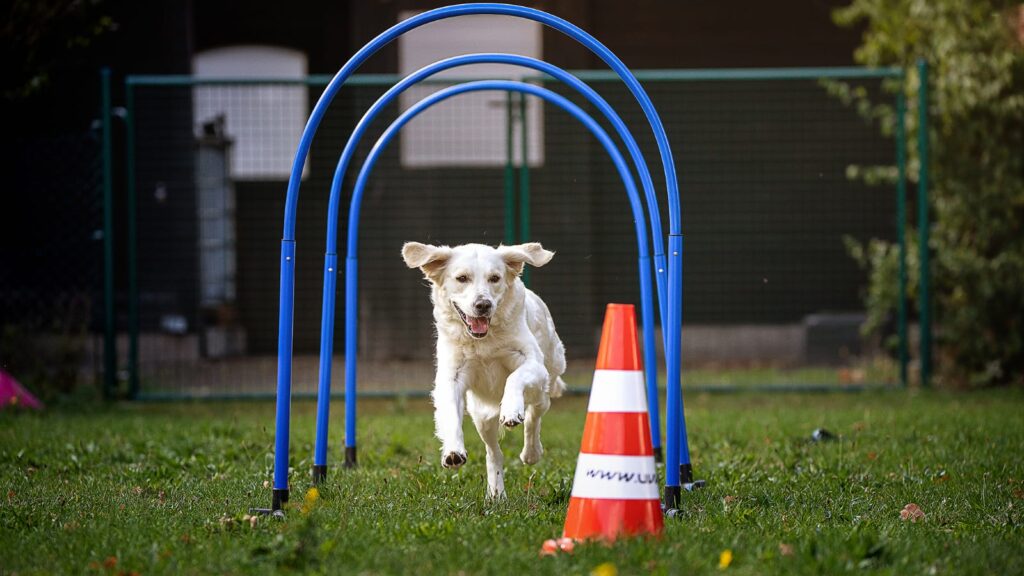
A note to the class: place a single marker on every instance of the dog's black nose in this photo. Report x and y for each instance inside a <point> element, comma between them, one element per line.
<point>483,307</point>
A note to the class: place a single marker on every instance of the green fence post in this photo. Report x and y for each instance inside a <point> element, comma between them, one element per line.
<point>923,225</point>
<point>133,283</point>
<point>510,190</point>
<point>901,229</point>
<point>524,183</point>
<point>109,335</point>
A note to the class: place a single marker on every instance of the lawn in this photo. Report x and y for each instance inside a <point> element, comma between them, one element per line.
<point>165,488</point>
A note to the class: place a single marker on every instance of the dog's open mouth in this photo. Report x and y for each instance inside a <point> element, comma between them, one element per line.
<point>477,326</point>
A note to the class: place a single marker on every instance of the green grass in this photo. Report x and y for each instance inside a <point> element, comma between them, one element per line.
<point>164,488</point>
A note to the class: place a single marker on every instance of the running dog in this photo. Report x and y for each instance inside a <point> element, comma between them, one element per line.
<point>498,354</point>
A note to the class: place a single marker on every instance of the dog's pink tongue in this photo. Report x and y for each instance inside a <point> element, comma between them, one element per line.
<point>478,325</point>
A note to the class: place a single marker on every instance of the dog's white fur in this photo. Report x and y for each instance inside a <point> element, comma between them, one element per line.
<point>504,376</point>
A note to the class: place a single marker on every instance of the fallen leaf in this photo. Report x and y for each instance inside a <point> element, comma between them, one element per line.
<point>566,545</point>
<point>729,499</point>
<point>911,512</point>
<point>137,490</point>
<point>785,549</point>
<point>724,559</point>
<point>1018,493</point>
<point>552,547</point>
<point>872,455</point>
<point>110,562</point>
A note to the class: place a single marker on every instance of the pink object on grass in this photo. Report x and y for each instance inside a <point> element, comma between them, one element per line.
<point>12,393</point>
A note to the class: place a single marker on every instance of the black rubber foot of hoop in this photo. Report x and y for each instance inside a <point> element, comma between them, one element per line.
<point>672,498</point>
<point>659,457</point>
<point>350,457</point>
<point>319,473</point>
<point>686,478</point>
<point>280,498</point>
<point>278,501</point>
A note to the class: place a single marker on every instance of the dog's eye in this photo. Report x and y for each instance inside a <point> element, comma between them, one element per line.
<point>462,279</point>
<point>494,279</point>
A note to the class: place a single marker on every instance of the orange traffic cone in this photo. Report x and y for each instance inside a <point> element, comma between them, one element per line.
<point>615,490</point>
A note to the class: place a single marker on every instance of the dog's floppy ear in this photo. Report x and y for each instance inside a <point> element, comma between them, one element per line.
<point>531,253</point>
<point>430,259</point>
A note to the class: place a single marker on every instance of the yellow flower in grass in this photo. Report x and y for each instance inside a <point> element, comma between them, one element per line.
<point>606,569</point>
<point>724,559</point>
<point>312,497</point>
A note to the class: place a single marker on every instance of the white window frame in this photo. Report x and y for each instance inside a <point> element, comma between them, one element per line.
<point>264,121</point>
<point>469,130</point>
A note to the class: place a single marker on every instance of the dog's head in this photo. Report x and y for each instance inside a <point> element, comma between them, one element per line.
<point>476,282</point>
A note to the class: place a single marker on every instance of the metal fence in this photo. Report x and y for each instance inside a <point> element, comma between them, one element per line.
<point>772,296</point>
<point>51,260</point>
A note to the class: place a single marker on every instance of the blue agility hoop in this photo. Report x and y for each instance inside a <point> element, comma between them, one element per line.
<point>331,259</point>
<point>677,454</point>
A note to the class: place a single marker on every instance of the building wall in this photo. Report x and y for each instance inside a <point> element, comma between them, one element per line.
<point>578,203</point>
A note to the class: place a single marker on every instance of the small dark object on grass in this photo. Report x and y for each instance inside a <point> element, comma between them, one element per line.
<point>672,512</point>
<point>267,512</point>
<point>822,435</point>
<point>695,485</point>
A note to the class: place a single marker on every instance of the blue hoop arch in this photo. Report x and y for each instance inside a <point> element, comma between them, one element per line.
<point>355,207</point>
<point>331,259</point>
<point>677,457</point>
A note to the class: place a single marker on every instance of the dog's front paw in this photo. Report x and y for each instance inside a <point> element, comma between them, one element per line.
<point>511,419</point>
<point>453,459</point>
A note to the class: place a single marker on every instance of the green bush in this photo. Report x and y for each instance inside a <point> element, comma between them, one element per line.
<point>975,53</point>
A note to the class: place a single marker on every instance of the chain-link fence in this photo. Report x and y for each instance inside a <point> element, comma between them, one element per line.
<point>772,296</point>
<point>51,262</point>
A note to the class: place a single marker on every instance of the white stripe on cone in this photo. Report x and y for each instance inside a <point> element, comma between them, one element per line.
<point>618,391</point>
<point>615,477</point>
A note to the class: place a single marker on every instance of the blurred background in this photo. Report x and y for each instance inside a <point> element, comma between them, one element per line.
<point>148,145</point>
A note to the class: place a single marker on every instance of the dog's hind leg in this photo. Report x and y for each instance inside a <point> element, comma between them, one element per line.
<point>532,448</point>
<point>485,419</point>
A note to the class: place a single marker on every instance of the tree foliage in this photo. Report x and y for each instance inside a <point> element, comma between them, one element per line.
<point>975,53</point>
<point>38,36</point>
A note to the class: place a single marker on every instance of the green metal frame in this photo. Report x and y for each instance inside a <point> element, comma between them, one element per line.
<point>517,184</point>
<point>524,183</point>
<point>923,225</point>
<point>133,275</point>
<point>571,391</point>
<point>901,231</point>
<point>109,328</point>
<point>510,177</point>
<point>651,75</point>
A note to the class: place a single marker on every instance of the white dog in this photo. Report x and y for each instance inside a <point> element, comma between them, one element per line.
<point>497,350</point>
